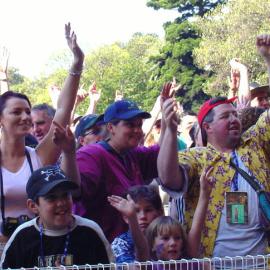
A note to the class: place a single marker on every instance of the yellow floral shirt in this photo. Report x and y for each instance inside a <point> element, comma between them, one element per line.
<point>254,151</point>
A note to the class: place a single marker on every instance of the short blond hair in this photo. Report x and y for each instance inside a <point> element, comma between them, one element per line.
<point>163,225</point>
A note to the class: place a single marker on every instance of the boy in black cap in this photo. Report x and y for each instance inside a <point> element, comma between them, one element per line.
<point>55,237</point>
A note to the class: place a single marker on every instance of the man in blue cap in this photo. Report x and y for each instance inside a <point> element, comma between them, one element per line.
<point>110,167</point>
<point>89,130</point>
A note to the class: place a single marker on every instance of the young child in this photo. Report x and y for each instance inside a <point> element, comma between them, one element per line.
<point>142,206</point>
<point>167,239</point>
<point>55,237</point>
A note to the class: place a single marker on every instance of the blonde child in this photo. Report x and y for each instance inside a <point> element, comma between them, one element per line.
<point>166,237</point>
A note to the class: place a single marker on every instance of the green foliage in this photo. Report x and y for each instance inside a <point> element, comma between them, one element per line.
<point>176,57</point>
<point>186,8</point>
<point>119,66</point>
<point>230,32</point>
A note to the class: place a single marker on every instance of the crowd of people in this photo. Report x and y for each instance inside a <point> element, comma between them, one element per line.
<point>91,189</point>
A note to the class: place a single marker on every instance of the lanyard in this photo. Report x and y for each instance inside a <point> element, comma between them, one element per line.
<point>234,185</point>
<point>41,229</point>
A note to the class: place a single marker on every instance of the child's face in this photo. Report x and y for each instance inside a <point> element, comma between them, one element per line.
<point>146,213</point>
<point>55,209</point>
<point>168,246</point>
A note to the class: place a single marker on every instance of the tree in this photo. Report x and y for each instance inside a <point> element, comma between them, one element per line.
<point>122,67</point>
<point>230,32</point>
<point>176,57</point>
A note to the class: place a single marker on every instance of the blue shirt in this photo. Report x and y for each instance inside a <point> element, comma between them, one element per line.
<point>123,248</point>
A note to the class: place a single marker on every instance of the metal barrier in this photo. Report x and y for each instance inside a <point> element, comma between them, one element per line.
<point>226,263</point>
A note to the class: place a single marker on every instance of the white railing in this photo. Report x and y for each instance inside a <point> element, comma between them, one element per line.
<point>226,263</point>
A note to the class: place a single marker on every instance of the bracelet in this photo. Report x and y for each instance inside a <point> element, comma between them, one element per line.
<point>3,80</point>
<point>76,72</point>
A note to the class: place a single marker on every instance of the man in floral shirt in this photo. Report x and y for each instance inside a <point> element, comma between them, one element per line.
<point>232,224</point>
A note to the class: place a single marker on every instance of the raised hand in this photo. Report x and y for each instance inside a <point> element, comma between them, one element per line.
<point>205,182</point>
<point>64,138</point>
<point>234,80</point>
<point>75,49</point>
<point>94,94</point>
<point>81,96</point>
<point>125,206</point>
<point>118,95</point>
<point>166,92</point>
<point>54,92</point>
<point>263,46</point>
<point>175,86</point>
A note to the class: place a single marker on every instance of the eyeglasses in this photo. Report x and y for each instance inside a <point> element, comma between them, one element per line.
<point>94,131</point>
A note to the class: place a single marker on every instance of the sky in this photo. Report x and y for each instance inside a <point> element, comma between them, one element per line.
<point>34,29</point>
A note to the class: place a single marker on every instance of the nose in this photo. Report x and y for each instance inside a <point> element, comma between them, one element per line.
<point>233,117</point>
<point>26,116</point>
<point>141,215</point>
<point>172,241</point>
<point>60,201</point>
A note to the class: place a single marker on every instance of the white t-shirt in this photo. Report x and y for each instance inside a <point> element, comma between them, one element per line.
<point>15,187</point>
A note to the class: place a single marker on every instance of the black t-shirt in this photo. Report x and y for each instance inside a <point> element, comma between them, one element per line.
<point>87,245</point>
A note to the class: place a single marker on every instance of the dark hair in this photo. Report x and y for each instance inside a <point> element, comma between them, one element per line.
<point>45,107</point>
<point>209,118</point>
<point>8,95</point>
<point>147,193</point>
<point>193,133</point>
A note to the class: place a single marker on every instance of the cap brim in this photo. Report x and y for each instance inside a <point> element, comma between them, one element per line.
<point>100,120</point>
<point>91,123</point>
<point>132,114</point>
<point>65,184</point>
<point>263,88</point>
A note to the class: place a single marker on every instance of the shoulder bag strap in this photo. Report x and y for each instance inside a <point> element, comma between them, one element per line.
<point>246,176</point>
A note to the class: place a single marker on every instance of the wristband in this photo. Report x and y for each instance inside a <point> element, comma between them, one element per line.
<point>75,73</point>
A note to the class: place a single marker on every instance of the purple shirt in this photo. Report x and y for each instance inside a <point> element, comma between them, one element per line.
<point>104,174</point>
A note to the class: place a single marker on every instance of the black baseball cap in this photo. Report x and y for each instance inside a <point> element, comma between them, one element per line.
<point>45,179</point>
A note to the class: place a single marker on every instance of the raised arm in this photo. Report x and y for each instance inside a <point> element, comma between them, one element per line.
<point>127,208</point>
<point>168,167</point>
<point>263,47</point>
<point>3,70</point>
<point>194,235</point>
<point>65,140</point>
<point>94,96</point>
<point>243,87</point>
<point>46,150</point>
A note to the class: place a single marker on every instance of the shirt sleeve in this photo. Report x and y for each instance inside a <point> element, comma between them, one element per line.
<point>123,250</point>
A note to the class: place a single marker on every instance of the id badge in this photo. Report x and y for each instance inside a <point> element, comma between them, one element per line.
<point>237,207</point>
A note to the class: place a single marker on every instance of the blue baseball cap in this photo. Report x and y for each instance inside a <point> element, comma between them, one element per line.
<point>124,110</point>
<point>85,123</point>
